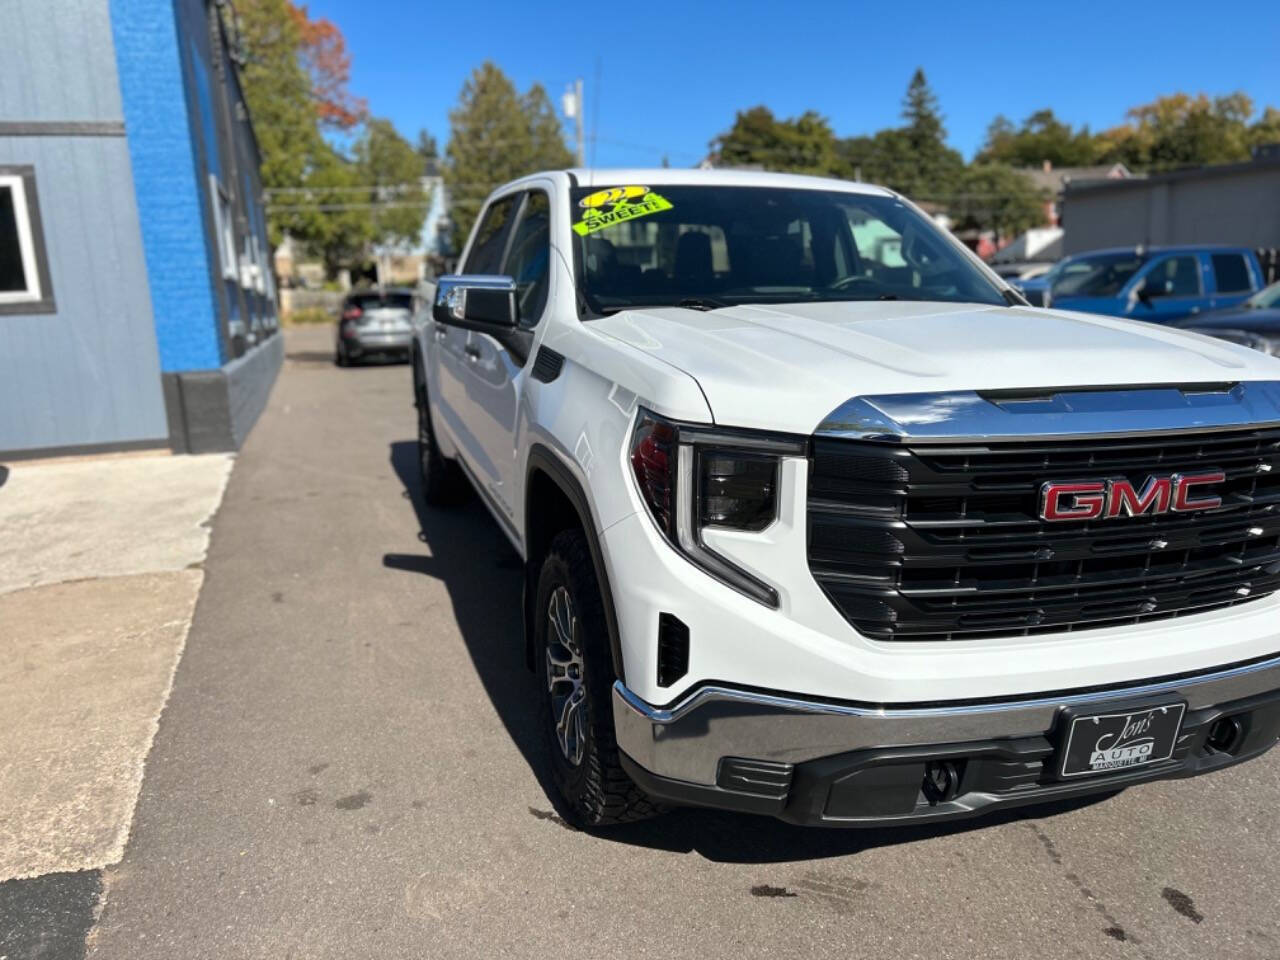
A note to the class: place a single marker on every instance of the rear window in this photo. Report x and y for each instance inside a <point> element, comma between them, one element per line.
<point>1231,272</point>
<point>381,301</point>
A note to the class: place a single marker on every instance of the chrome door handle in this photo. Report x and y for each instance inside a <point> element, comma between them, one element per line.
<point>441,333</point>
<point>472,353</point>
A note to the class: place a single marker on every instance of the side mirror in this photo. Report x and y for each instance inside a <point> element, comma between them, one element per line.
<point>480,302</point>
<point>1144,291</point>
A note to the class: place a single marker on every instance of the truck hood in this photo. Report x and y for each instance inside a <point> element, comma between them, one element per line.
<point>786,367</point>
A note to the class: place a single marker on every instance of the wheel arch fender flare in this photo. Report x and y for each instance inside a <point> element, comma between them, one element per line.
<point>542,460</point>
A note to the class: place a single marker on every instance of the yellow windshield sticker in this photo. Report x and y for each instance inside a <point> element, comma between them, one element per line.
<point>624,203</point>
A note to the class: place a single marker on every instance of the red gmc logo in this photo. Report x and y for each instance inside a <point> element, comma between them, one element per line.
<point>1109,499</point>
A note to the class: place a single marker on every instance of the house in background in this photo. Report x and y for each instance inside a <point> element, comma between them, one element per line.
<point>137,309</point>
<point>1053,181</point>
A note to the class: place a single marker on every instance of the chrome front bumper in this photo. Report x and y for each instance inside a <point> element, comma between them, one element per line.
<point>686,741</point>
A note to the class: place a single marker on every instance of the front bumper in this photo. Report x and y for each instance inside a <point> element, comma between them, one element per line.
<point>839,764</point>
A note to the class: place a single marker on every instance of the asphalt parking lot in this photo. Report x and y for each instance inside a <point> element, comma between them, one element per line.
<point>349,765</point>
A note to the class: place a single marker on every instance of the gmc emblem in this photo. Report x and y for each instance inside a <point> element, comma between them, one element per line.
<point>1109,499</point>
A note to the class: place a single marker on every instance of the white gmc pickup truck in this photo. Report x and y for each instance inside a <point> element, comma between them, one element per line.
<point>821,520</point>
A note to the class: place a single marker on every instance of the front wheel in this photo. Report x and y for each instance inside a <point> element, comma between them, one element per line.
<point>572,644</point>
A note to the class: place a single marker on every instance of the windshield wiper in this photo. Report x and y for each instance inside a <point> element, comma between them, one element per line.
<point>701,303</point>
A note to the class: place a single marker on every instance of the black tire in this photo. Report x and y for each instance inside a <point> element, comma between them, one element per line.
<point>595,789</point>
<point>442,480</point>
<point>340,355</point>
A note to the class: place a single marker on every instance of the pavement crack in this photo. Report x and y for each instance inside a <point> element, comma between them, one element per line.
<point>1113,929</point>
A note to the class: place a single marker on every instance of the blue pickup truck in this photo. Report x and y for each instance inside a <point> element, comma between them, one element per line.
<point>1158,284</point>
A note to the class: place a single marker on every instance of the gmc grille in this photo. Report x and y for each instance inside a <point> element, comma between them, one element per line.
<point>944,542</point>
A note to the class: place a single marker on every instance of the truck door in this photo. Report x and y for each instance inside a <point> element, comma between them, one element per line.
<point>453,344</point>
<point>1169,288</point>
<point>496,368</point>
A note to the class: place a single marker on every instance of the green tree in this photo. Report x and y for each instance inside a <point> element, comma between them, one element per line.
<point>390,166</point>
<point>803,144</point>
<point>1180,130</point>
<point>338,225</point>
<point>278,92</point>
<point>497,135</point>
<point>1041,137</point>
<point>884,158</point>
<point>1267,130</point>
<point>991,196</point>
<point>428,152</point>
<point>929,168</point>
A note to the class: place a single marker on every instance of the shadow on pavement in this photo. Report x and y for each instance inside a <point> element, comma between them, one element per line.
<point>481,571</point>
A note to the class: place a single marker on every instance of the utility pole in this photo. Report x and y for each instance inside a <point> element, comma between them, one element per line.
<point>572,104</point>
<point>578,116</point>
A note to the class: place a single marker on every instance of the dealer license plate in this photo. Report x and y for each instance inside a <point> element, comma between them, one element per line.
<point>1114,742</point>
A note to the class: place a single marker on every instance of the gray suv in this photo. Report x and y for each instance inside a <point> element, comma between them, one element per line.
<point>375,323</point>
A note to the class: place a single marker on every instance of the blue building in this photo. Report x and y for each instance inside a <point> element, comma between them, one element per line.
<point>137,307</point>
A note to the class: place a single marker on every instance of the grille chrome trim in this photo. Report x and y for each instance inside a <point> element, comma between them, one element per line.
<point>953,547</point>
<point>1058,413</point>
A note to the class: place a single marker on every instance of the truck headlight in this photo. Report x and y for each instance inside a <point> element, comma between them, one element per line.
<point>693,477</point>
<point>737,490</point>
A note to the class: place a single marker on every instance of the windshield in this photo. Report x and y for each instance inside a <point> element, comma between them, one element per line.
<point>715,246</point>
<point>1266,298</point>
<point>1097,275</point>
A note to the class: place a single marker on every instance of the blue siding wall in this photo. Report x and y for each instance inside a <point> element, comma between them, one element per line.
<point>170,200</point>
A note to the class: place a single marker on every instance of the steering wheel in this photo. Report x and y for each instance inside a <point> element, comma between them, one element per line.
<point>845,283</point>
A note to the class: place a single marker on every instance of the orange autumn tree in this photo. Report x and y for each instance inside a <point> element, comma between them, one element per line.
<point>324,56</point>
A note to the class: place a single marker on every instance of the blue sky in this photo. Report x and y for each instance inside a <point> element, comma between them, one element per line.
<point>672,75</point>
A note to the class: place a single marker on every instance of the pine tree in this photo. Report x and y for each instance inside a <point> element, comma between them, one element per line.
<point>932,169</point>
<point>497,135</point>
<point>920,111</point>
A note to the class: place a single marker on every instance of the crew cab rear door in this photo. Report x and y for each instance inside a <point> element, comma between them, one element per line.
<point>1233,278</point>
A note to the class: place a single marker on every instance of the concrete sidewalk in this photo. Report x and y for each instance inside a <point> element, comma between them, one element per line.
<point>99,575</point>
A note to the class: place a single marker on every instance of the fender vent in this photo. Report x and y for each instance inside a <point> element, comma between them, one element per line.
<point>673,649</point>
<point>547,365</point>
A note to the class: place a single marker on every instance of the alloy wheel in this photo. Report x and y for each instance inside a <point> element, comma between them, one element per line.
<point>565,676</point>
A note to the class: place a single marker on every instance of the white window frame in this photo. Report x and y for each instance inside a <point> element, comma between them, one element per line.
<point>27,248</point>
<point>225,229</point>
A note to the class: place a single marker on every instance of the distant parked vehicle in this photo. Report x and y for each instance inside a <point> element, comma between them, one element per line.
<point>1156,284</point>
<point>375,323</point>
<point>1022,270</point>
<point>1254,323</point>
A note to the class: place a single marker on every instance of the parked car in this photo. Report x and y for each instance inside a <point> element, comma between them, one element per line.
<point>1254,323</point>
<point>818,520</point>
<point>1022,270</point>
<point>1156,284</point>
<point>375,323</point>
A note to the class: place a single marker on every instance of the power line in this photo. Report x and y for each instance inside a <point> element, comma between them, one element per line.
<point>332,207</point>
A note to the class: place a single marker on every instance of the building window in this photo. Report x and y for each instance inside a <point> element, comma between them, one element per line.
<point>24,264</point>
<point>225,227</point>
